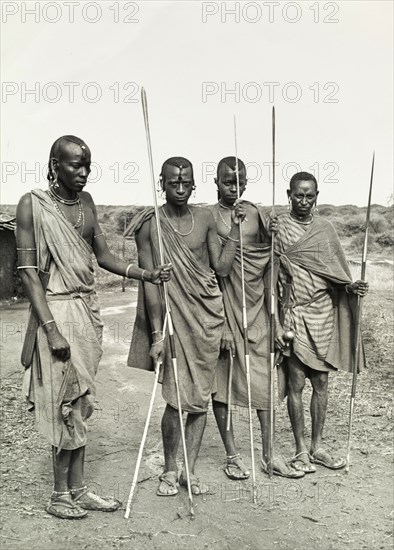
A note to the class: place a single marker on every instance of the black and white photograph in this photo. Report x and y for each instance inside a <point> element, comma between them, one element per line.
<point>197,275</point>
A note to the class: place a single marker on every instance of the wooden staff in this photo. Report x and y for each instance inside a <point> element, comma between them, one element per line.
<point>358,322</point>
<point>167,300</point>
<point>272,316</point>
<point>245,324</point>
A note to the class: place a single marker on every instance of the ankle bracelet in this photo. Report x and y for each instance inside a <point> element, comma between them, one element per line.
<point>79,489</point>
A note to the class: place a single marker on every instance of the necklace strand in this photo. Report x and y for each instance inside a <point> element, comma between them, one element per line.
<point>221,217</point>
<point>81,215</point>
<point>60,199</point>
<point>293,217</point>
<point>176,230</point>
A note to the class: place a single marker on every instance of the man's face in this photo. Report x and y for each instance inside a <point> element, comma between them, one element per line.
<point>73,167</point>
<point>178,184</point>
<point>227,184</point>
<point>303,196</point>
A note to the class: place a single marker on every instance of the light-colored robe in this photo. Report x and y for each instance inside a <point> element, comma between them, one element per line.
<point>74,306</point>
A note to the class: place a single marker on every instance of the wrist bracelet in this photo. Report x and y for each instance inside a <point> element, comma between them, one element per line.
<point>158,341</point>
<point>157,332</point>
<point>234,240</point>
<point>127,270</point>
<point>143,275</point>
<point>47,322</point>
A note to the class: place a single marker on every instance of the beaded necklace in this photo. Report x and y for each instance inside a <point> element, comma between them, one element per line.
<point>176,230</point>
<point>293,217</point>
<point>81,215</point>
<point>61,199</point>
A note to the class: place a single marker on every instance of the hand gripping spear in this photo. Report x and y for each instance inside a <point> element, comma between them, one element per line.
<point>272,316</point>
<point>167,301</point>
<point>245,325</point>
<point>358,322</point>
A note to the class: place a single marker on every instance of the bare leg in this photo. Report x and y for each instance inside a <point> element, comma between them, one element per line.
<point>61,466</point>
<point>61,504</point>
<point>264,418</point>
<point>76,469</point>
<point>170,430</point>
<point>220,412</point>
<point>296,384</point>
<point>294,402</point>
<point>319,401</point>
<point>195,426</point>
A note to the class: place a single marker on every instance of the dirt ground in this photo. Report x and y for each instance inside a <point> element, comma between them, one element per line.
<point>325,510</point>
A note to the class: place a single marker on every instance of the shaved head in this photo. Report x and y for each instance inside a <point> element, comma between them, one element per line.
<point>230,162</point>
<point>60,146</point>
<point>181,164</point>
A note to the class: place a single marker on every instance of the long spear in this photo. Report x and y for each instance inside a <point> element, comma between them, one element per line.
<point>145,432</point>
<point>142,444</point>
<point>167,300</point>
<point>272,316</point>
<point>245,325</point>
<point>358,321</point>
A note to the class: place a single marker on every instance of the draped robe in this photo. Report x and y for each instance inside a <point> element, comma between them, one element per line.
<point>197,314</point>
<point>73,303</point>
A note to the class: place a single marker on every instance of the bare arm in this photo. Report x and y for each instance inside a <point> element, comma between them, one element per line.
<point>107,260</point>
<point>152,293</point>
<point>27,256</point>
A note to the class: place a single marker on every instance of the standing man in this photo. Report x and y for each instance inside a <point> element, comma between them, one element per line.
<point>256,249</point>
<point>317,302</point>
<point>191,243</point>
<point>57,233</point>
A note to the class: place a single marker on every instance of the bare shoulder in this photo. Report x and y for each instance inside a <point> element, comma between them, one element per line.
<point>203,215</point>
<point>24,210</point>
<point>87,198</point>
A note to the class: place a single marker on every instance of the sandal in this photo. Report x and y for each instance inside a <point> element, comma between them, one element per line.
<point>235,468</point>
<point>62,506</point>
<point>170,480</point>
<point>196,486</point>
<point>302,466</point>
<point>322,457</point>
<point>281,468</point>
<point>91,501</point>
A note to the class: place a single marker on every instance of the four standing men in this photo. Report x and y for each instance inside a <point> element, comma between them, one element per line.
<point>57,232</point>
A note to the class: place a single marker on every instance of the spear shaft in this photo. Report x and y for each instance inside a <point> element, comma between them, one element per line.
<point>245,324</point>
<point>171,336</point>
<point>358,322</point>
<point>272,315</point>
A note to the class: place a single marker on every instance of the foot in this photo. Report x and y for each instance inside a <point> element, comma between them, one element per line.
<point>301,462</point>
<point>62,506</point>
<point>168,484</point>
<point>197,486</point>
<point>90,501</point>
<point>235,468</point>
<point>323,458</point>
<point>281,468</point>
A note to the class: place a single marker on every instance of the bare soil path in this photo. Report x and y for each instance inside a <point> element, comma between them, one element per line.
<point>325,510</point>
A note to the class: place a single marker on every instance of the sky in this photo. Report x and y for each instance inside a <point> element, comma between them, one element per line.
<point>78,67</point>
